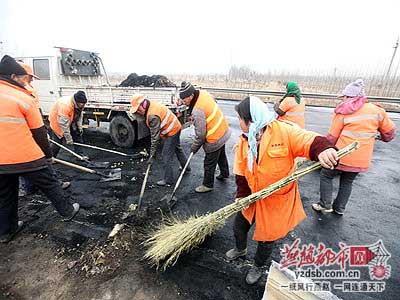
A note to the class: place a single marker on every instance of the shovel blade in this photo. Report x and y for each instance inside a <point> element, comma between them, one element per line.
<point>115,174</point>
<point>170,201</point>
<point>98,165</point>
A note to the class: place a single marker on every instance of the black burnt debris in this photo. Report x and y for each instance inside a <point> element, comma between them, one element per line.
<point>135,80</point>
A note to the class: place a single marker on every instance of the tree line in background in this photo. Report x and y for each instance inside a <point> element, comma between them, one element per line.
<point>320,82</point>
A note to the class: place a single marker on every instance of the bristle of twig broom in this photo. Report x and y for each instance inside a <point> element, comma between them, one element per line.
<point>174,237</point>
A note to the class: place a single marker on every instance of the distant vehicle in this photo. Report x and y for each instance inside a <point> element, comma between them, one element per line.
<point>70,70</point>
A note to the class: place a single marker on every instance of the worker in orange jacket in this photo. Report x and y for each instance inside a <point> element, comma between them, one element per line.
<point>265,154</point>
<point>354,119</point>
<point>24,150</point>
<point>162,124</point>
<point>212,132</point>
<point>291,107</point>
<point>66,121</point>
<point>27,83</point>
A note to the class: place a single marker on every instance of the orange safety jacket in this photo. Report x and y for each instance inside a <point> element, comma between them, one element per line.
<point>363,126</point>
<point>64,107</point>
<point>216,123</point>
<point>18,115</point>
<point>280,212</point>
<point>294,112</point>
<point>169,125</point>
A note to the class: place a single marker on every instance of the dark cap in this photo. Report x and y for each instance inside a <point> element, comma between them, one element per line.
<point>186,90</point>
<point>80,96</point>
<point>9,65</point>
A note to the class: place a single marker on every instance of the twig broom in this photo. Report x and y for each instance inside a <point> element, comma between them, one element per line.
<point>174,237</point>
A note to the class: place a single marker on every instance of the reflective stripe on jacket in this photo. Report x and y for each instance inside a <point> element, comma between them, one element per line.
<point>216,123</point>
<point>64,107</point>
<point>363,125</point>
<point>294,112</point>
<point>18,115</point>
<point>170,124</point>
<point>280,212</point>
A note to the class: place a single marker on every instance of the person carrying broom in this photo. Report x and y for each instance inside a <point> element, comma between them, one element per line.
<point>265,154</point>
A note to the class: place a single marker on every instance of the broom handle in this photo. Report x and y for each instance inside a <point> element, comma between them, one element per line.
<point>230,209</point>
<point>66,149</point>
<point>102,149</point>
<point>78,167</point>
<point>181,176</point>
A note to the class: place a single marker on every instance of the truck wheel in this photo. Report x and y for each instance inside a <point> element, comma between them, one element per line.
<point>122,131</point>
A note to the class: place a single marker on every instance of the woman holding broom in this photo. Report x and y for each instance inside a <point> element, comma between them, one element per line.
<point>265,154</point>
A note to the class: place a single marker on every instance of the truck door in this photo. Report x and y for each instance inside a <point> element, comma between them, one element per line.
<point>46,87</point>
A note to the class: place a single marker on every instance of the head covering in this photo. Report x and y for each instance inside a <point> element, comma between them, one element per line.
<point>260,116</point>
<point>354,89</point>
<point>292,90</point>
<point>136,100</point>
<point>28,69</point>
<point>8,66</point>
<point>186,90</point>
<point>80,97</point>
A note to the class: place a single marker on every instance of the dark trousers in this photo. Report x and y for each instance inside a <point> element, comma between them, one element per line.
<point>264,249</point>
<point>44,181</point>
<point>27,185</point>
<point>326,188</point>
<point>75,137</point>
<point>172,146</point>
<point>30,188</point>
<point>210,162</point>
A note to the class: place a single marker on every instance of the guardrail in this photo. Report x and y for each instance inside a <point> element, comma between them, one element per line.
<point>305,95</point>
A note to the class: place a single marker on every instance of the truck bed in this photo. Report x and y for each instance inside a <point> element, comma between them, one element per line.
<point>110,97</point>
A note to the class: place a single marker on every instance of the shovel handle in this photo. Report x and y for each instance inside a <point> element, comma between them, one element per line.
<point>102,149</point>
<point>78,167</point>
<point>144,185</point>
<point>66,149</point>
<point>181,175</point>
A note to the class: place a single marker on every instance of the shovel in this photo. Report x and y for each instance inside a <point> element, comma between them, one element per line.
<point>101,165</point>
<point>171,200</point>
<point>144,185</point>
<point>115,174</point>
<point>134,156</point>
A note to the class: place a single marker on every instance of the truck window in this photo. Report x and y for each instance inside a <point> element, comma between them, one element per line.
<point>41,68</point>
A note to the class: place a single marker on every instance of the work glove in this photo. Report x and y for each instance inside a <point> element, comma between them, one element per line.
<point>85,158</point>
<point>79,132</point>
<point>69,141</point>
<point>193,149</point>
<point>151,160</point>
<point>50,161</point>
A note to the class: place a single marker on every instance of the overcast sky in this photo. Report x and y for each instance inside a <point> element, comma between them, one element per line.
<point>173,36</point>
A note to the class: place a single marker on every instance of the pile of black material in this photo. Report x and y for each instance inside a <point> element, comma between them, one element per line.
<point>135,80</point>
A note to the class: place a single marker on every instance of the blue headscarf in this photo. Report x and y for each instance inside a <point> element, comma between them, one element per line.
<point>260,116</point>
